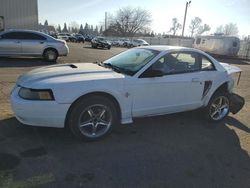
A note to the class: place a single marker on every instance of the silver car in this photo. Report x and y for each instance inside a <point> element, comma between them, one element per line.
<point>31,43</point>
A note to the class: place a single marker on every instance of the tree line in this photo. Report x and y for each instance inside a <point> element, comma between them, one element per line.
<point>130,22</point>
<point>74,27</point>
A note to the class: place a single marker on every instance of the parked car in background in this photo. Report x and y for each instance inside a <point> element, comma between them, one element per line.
<point>138,42</point>
<point>100,42</point>
<point>142,81</point>
<point>126,43</point>
<point>71,37</point>
<point>31,43</point>
<point>79,38</point>
<point>89,38</point>
<point>63,36</point>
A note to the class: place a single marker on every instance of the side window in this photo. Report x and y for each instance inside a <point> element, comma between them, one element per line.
<point>206,64</point>
<point>32,36</point>
<point>178,62</point>
<point>12,35</point>
<point>198,40</point>
<point>23,36</point>
<point>234,44</point>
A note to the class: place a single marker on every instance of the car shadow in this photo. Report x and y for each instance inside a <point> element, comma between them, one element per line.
<point>179,150</point>
<point>23,62</point>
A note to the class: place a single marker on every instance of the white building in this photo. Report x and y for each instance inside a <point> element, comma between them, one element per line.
<point>19,14</point>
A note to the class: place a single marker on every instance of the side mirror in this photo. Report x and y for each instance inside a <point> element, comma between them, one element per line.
<point>150,73</point>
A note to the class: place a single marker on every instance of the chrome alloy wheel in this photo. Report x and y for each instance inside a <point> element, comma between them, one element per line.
<point>219,108</point>
<point>95,121</point>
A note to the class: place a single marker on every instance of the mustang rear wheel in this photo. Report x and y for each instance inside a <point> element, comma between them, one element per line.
<point>92,118</point>
<point>218,107</point>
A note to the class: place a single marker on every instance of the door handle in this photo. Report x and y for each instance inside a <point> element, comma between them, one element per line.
<point>17,41</point>
<point>195,80</point>
<point>41,42</point>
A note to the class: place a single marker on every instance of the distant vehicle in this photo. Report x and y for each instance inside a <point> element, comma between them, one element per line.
<point>79,38</point>
<point>100,42</point>
<point>218,44</point>
<point>139,42</point>
<point>126,43</point>
<point>71,37</point>
<point>88,38</point>
<point>143,81</point>
<point>63,36</point>
<point>31,43</point>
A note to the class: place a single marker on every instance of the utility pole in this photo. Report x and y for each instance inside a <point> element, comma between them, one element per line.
<point>185,15</point>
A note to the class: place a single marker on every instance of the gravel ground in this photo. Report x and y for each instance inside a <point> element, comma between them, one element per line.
<point>179,150</point>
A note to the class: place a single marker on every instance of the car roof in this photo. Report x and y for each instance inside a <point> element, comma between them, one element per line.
<point>162,48</point>
<point>28,31</point>
<point>21,30</point>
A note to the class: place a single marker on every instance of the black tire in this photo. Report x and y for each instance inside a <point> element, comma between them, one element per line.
<point>109,47</point>
<point>80,115</point>
<point>50,55</point>
<point>213,106</point>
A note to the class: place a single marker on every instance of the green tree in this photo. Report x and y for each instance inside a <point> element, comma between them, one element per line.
<point>46,23</point>
<point>65,29</point>
<point>59,28</point>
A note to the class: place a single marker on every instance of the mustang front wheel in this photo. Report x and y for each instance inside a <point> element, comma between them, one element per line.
<point>92,118</point>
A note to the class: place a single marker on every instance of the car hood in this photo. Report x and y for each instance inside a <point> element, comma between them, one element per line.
<point>230,68</point>
<point>66,73</point>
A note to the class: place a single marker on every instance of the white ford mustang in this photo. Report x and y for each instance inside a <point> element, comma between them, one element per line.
<point>90,98</point>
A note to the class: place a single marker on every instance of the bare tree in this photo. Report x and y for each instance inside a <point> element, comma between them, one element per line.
<point>175,26</point>
<point>203,29</point>
<point>228,29</point>
<point>129,21</point>
<point>74,26</point>
<point>231,29</point>
<point>195,25</point>
<point>220,29</point>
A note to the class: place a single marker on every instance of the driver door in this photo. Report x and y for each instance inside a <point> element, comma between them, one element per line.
<point>178,88</point>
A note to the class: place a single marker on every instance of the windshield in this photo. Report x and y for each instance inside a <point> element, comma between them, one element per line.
<point>131,61</point>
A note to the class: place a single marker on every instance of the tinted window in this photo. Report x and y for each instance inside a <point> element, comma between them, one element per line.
<point>12,35</point>
<point>23,36</point>
<point>32,36</point>
<point>179,62</point>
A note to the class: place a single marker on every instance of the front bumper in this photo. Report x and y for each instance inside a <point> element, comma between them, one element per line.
<point>63,50</point>
<point>38,113</point>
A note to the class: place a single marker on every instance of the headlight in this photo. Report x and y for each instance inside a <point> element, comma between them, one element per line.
<point>36,94</point>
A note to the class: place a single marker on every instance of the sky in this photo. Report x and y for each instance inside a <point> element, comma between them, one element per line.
<point>212,12</point>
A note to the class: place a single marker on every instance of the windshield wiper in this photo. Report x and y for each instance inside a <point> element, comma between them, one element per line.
<point>113,67</point>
